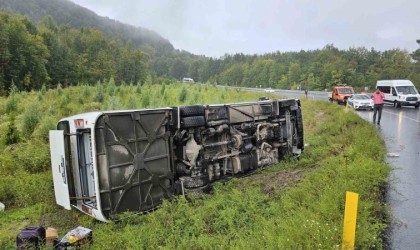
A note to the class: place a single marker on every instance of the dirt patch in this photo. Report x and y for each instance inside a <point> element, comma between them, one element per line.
<point>311,124</point>
<point>321,116</point>
<point>59,219</point>
<point>282,180</point>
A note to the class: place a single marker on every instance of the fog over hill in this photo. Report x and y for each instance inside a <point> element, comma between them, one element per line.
<point>67,12</point>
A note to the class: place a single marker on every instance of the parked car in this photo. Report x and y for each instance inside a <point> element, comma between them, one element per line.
<point>269,90</point>
<point>360,101</point>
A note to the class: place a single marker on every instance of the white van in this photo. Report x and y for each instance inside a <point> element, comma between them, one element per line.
<point>186,79</point>
<point>399,92</point>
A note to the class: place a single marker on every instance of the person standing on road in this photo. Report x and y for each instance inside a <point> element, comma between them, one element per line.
<point>378,100</point>
<point>306,93</point>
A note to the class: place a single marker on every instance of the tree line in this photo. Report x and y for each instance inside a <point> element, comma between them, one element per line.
<point>314,70</point>
<point>46,54</point>
<point>33,55</point>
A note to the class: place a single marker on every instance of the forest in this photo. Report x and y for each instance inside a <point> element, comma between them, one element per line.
<point>44,53</point>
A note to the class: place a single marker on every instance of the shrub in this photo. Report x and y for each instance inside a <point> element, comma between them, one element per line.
<point>40,96</point>
<point>30,189</point>
<point>138,89</point>
<point>99,97</point>
<point>149,80</point>
<point>33,157</point>
<point>31,118</point>
<point>183,95</point>
<point>110,88</point>
<point>12,103</point>
<point>93,106</point>
<point>86,92</point>
<point>51,110</point>
<point>162,90</point>
<point>43,89</point>
<point>42,131</point>
<point>59,89</point>
<point>65,100</point>
<point>145,100</point>
<point>114,103</point>
<point>12,134</point>
<point>6,193</point>
<point>131,102</point>
<point>7,166</point>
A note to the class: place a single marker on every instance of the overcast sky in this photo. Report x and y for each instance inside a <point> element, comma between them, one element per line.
<point>216,27</point>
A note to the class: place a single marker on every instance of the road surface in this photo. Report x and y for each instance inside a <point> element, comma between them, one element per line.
<point>400,129</point>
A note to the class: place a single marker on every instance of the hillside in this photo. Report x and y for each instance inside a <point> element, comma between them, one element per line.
<point>66,12</point>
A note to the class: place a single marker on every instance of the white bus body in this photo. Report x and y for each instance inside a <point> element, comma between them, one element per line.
<point>106,163</point>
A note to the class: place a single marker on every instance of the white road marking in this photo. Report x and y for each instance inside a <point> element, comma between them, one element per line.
<point>406,117</point>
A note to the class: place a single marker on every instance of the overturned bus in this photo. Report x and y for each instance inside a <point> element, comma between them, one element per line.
<point>106,163</point>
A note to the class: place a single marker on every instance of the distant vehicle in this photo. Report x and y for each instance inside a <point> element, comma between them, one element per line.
<point>106,163</point>
<point>269,90</point>
<point>399,93</point>
<point>340,93</point>
<point>185,79</point>
<point>360,101</point>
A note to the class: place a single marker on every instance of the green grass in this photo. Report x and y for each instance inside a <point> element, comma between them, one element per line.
<point>295,204</point>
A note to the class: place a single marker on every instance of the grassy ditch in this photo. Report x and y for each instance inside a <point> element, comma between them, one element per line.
<point>296,204</point>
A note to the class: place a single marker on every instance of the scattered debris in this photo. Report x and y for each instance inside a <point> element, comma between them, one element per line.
<point>2,207</point>
<point>32,237</point>
<point>51,236</point>
<point>77,237</point>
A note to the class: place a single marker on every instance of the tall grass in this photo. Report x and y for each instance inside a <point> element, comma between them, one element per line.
<point>305,211</point>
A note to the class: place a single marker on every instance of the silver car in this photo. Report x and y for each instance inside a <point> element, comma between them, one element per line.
<point>360,101</point>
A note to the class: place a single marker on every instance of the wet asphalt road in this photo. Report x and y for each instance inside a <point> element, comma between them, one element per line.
<point>400,129</point>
